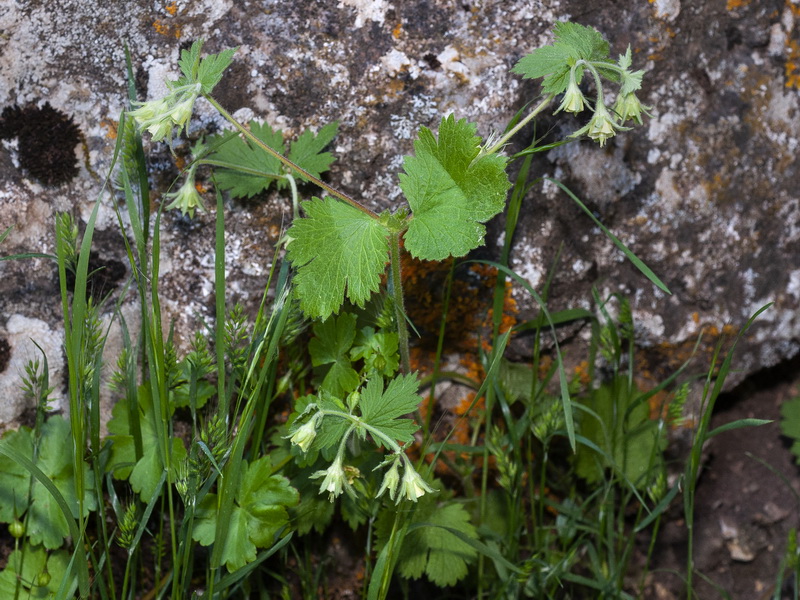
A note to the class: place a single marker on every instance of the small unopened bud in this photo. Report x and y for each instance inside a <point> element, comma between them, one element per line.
<point>628,107</point>
<point>304,435</point>
<point>573,98</point>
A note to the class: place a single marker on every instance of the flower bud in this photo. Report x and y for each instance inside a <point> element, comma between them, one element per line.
<point>628,106</point>
<point>16,528</point>
<point>390,481</point>
<point>573,98</point>
<point>304,435</point>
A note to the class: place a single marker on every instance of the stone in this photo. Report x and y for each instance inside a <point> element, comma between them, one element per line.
<point>706,192</point>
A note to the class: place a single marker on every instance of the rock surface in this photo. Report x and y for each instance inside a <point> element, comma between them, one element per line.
<point>707,193</point>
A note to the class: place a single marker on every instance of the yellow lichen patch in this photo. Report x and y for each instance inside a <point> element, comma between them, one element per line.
<point>172,8</point>
<point>397,31</point>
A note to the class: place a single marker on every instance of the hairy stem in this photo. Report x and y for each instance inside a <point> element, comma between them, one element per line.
<point>357,422</point>
<point>298,169</point>
<point>399,308</point>
<point>513,131</point>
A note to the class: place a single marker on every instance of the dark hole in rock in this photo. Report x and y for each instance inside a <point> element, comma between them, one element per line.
<point>47,139</point>
<point>5,354</point>
<point>733,36</point>
<point>104,275</point>
<point>431,60</point>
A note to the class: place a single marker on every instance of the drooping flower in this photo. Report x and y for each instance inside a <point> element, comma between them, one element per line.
<point>334,478</point>
<point>390,481</point>
<point>186,198</point>
<point>628,106</point>
<point>304,435</point>
<point>573,98</point>
<point>413,486</point>
<point>602,126</point>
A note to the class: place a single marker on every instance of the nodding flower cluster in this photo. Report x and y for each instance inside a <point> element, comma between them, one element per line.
<point>338,477</point>
<point>604,124</point>
<point>173,110</point>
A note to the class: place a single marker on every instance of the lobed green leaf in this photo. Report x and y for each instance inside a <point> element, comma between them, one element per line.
<point>207,71</point>
<point>381,409</point>
<point>307,150</point>
<point>144,474</point>
<point>260,511</point>
<point>46,524</point>
<point>429,549</point>
<point>572,42</point>
<point>333,338</point>
<point>451,191</point>
<point>339,252</point>
<point>244,169</point>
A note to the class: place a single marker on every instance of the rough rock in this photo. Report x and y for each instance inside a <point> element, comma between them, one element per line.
<point>706,192</point>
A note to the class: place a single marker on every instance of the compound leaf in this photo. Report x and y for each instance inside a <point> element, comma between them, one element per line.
<point>382,409</point>
<point>451,191</point>
<point>337,251</point>
<point>244,169</point>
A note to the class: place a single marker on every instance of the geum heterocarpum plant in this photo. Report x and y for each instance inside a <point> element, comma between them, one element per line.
<point>339,248</point>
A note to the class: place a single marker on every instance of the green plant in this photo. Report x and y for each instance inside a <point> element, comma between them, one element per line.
<point>195,438</point>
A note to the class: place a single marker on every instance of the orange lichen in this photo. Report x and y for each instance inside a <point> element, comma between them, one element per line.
<point>582,373</point>
<point>397,31</point>
<point>172,8</point>
<point>111,127</point>
<point>201,189</point>
<point>734,4</point>
<point>469,317</point>
<point>791,67</point>
<point>167,29</point>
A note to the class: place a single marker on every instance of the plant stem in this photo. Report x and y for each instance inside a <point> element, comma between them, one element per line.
<point>357,422</point>
<point>512,132</point>
<point>399,308</point>
<point>298,169</point>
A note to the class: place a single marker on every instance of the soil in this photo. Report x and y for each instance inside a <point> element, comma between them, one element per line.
<point>746,502</point>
